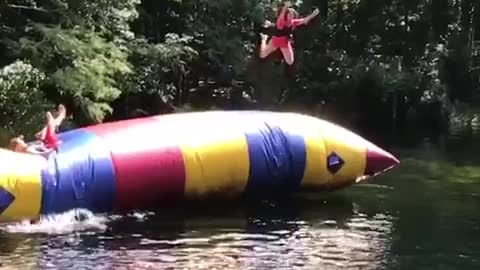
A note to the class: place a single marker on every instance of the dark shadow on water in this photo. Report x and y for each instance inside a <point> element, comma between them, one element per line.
<point>9,243</point>
<point>238,228</point>
<point>247,216</point>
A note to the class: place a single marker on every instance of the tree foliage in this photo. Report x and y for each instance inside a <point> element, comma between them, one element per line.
<point>22,103</point>
<point>375,63</point>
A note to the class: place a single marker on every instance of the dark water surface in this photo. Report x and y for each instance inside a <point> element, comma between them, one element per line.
<point>422,215</point>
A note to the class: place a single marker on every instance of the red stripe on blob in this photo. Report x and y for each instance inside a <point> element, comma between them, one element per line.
<point>149,167</point>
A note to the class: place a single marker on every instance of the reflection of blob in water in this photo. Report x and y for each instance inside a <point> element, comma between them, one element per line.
<point>284,235</point>
<point>356,242</point>
<point>361,244</point>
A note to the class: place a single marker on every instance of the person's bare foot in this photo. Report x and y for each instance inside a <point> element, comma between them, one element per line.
<point>263,37</point>
<point>62,113</point>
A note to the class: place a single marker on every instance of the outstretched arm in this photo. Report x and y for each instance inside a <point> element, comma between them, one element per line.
<point>307,19</point>
<point>280,21</point>
<point>283,10</point>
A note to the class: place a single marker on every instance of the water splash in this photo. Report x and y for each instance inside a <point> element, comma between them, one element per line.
<point>72,221</point>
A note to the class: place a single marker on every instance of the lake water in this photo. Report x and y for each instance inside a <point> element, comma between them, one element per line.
<point>422,215</point>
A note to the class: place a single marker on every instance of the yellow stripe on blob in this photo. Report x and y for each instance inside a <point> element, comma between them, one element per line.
<point>345,153</point>
<point>316,175</point>
<point>335,156</point>
<point>20,185</point>
<point>216,156</point>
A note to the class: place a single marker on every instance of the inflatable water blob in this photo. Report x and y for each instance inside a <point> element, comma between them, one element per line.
<point>145,162</point>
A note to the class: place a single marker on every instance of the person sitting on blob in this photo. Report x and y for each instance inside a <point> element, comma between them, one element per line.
<point>286,22</point>
<point>47,138</point>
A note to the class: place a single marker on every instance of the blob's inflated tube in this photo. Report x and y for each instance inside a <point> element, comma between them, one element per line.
<point>141,163</point>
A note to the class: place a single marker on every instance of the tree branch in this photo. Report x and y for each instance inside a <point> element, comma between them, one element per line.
<point>27,8</point>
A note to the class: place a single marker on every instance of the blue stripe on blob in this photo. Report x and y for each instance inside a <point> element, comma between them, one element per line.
<point>80,175</point>
<point>277,159</point>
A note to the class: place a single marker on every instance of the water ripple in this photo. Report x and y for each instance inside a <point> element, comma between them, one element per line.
<point>357,242</point>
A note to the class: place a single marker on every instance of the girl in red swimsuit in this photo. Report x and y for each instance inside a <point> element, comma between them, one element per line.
<point>48,134</point>
<point>287,21</point>
<point>47,137</point>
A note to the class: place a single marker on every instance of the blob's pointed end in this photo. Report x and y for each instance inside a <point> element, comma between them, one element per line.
<point>379,160</point>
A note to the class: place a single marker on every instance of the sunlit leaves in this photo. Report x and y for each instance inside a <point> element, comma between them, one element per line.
<point>91,73</point>
<point>22,104</point>
<point>81,63</point>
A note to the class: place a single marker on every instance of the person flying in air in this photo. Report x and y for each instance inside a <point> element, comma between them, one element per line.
<point>287,21</point>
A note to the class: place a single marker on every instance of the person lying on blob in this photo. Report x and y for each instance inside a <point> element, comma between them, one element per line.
<point>286,22</point>
<point>47,138</point>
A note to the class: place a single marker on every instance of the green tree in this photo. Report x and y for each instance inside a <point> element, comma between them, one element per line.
<point>22,103</point>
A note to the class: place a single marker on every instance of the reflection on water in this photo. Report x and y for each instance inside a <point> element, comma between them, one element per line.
<point>359,242</point>
<point>242,237</point>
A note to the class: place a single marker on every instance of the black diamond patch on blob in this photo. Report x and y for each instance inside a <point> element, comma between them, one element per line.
<point>334,163</point>
<point>6,199</point>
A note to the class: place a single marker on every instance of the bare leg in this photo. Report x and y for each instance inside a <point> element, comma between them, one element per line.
<point>50,139</point>
<point>288,54</point>
<point>50,120</point>
<point>265,48</point>
<point>62,113</point>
